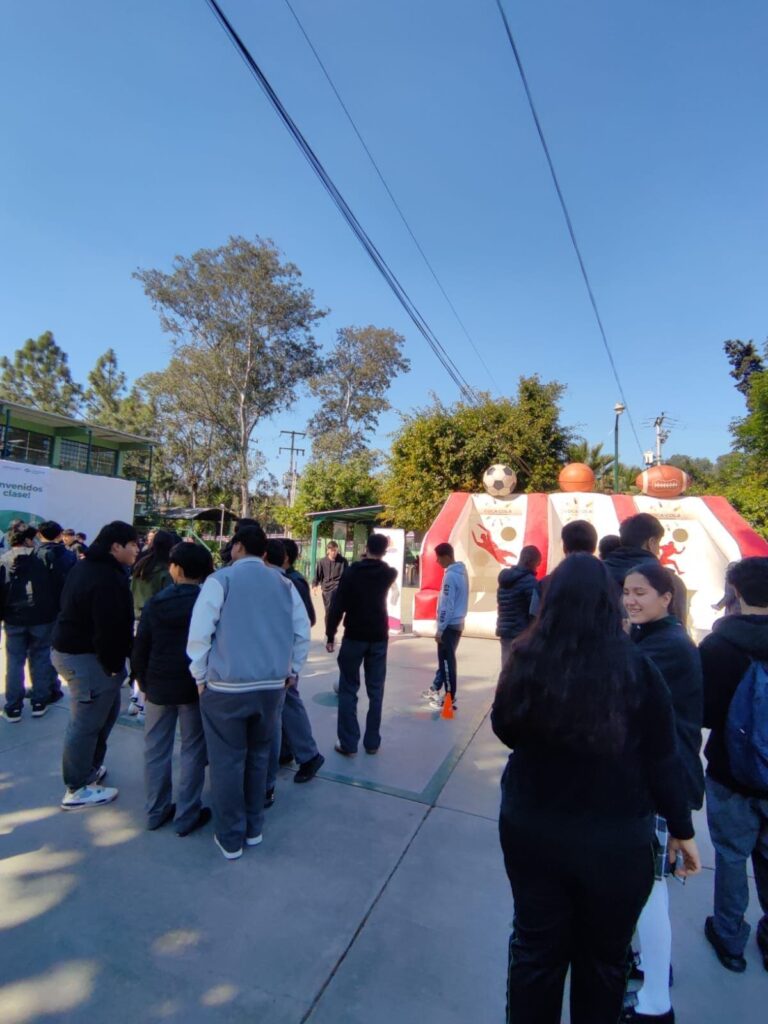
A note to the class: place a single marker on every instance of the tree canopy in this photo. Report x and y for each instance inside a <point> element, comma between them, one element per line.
<point>327,484</point>
<point>39,375</point>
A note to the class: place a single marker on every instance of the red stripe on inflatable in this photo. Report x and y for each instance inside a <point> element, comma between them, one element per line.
<point>439,532</point>
<point>537,527</point>
<point>624,505</point>
<point>750,543</point>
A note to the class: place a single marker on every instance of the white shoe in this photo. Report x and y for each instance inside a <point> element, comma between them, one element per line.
<point>134,708</point>
<point>429,693</point>
<point>229,855</point>
<point>88,796</point>
<point>253,840</point>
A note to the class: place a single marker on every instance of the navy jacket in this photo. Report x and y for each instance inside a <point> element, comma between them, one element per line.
<point>159,656</point>
<point>513,601</point>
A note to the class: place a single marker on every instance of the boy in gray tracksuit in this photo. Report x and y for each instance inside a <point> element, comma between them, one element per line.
<point>248,640</point>
<point>452,607</point>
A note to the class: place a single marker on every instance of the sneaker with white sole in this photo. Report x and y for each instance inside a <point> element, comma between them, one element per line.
<point>229,854</point>
<point>39,708</point>
<point>429,693</point>
<point>134,708</point>
<point>88,796</point>
<point>254,840</point>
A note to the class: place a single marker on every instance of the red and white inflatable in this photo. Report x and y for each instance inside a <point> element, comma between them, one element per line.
<point>701,536</point>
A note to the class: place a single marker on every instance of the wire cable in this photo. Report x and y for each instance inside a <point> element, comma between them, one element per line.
<point>388,190</point>
<point>465,389</point>
<point>567,216</point>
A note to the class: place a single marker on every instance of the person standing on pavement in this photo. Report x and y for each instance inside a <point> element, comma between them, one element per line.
<point>361,600</point>
<point>160,665</point>
<point>58,559</point>
<point>452,605</point>
<point>514,598</point>
<point>29,603</point>
<point>91,643</point>
<point>328,574</point>
<point>737,814</point>
<point>248,640</point>
<point>641,537</point>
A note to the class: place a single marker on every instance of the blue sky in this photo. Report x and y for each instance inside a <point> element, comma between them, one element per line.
<point>133,132</point>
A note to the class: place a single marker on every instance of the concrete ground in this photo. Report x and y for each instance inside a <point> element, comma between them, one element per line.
<point>378,895</point>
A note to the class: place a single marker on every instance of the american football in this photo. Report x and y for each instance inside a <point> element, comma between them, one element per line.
<point>662,481</point>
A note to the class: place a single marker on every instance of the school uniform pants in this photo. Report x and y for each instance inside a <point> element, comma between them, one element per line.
<point>293,724</point>
<point>576,905</point>
<point>239,728</point>
<point>372,657</point>
<point>159,735</point>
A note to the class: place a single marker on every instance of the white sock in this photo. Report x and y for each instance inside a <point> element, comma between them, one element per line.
<point>654,931</point>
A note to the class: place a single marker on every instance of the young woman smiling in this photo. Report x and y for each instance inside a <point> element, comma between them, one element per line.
<point>648,597</point>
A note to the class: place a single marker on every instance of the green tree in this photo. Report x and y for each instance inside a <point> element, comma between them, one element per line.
<point>325,484</point>
<point>591,455</point>
<point>352,386</point>
<point>39,375</point>
<point>442,449</point>
<point>106,391</point>
<point>241,323</point>
<point>745,360</point>
<point>701,472</point>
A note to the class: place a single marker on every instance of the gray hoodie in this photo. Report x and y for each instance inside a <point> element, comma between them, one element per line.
<point>453,601</point>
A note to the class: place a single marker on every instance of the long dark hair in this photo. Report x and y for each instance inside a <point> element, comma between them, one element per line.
<point>570,679</point>
<point>158,554</point>
<point>659,579</point>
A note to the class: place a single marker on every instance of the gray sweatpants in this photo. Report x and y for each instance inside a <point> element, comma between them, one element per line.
<point>94,704</point>
<point>159,735</point>
<point>239,728</point>
<point>295,721</point>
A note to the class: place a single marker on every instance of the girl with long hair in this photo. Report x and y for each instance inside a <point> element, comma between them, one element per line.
<point>648,599</point>
<point>590,724</point>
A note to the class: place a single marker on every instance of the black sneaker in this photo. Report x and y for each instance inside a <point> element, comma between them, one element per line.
<point>39,708</point>
<point>55,697</point>
<point>269,797</point>
<point>630,1014</point>
<point>12,715</point>
<point>202,819</point>
<point>168,816</point>
<point>285,758</point>
<point>731,962</point>
<point>309,769</point>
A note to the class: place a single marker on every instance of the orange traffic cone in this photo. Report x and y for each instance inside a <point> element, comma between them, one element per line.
<point>447,711</point>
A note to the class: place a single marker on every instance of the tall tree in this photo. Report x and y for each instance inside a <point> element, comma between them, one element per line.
<point>352,387</point>
<point>106,391</point>
<point>242,325</point>
<point>39,375</point>
<point>745,360</point>
<point>442,449</point>
<point>326,484</point>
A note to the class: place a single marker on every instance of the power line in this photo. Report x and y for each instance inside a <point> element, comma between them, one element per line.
<point>388,190</point>
<point>567,216</point>
<point>465,389</point>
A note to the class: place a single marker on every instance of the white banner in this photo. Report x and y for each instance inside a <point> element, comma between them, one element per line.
<point>81,501</point>
<point>395,556</point>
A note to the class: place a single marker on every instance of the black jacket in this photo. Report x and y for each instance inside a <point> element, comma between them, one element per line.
<point>563,794</point>
<point>513,601</point>
<point>58,559</point>
<point>329,571</point>
<point>302,586</point>
<point>622,560</point>
<point>361,598</point>
<point>29,595</point>
<point>159,656</point>
<point>675,655</point>
<point>726,654</point>
<point>96,614</point>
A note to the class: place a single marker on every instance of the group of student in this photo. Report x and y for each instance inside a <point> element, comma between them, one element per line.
<point>602,699</point>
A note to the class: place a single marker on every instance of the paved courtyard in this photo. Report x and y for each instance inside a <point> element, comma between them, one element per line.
<point>377,897</point>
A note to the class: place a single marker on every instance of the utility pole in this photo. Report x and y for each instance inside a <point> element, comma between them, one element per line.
<point>295,452</point>
<point>662,434</point>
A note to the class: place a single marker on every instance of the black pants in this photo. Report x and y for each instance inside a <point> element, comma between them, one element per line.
<point>576,905</point>
<point>327,599</point>
<point>446,660</point>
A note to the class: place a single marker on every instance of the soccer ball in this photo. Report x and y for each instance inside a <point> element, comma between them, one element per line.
<point>499,481</point>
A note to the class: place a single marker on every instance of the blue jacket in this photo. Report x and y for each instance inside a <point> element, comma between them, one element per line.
<point>513,601</point>
<point>453,601</point>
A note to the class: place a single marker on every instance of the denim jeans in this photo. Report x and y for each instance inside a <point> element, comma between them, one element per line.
<point>373,658</point>
<point>446,660</point>
<point>738,826</point>
<point>33,642</point>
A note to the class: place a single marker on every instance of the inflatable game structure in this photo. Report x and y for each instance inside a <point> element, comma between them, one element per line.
<point>701,536</point>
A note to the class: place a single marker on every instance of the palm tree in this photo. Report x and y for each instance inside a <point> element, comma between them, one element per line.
<point>592,456</point>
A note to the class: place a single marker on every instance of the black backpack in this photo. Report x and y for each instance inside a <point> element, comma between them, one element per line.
<point>26,595</point>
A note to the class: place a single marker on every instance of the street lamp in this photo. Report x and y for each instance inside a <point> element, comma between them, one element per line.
<point>618,409</point>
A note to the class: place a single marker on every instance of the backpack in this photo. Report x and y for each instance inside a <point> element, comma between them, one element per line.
<point>25,586</point>
<point>746,729</point>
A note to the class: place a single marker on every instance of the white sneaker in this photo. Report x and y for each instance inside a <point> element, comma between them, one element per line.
<point>429,693</point>
<point>253,840</point>
<point>88,796</point>
<point>134,708</point>
<point>234,855</point>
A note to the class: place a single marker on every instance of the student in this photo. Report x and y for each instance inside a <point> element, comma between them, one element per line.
<point>151,574</point>
<point>591,728</point>
<point>514,596</point>
<point>91,642</point>
<point>452,607</point>
<point>737,814</point>
<point>161,667</point>
<point>58,559</point>
<point>328,574</point>
<point>608,544</point>
<point>248,639</point>
<point>648,592</point>
<point>640,537</point>
<point>296,578</point>
<point>29,603</point>
<point>361,600</point>
<point>576,536</point>
<point>293,722</point>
